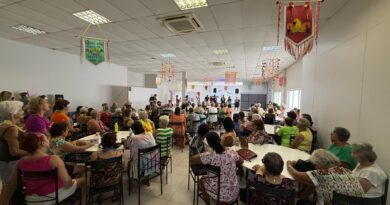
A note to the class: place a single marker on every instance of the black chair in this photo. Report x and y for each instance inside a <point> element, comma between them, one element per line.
<point>341,199</point>
<point>213,173</point>
<point>148,167</point>
<point>49,175</point>
<point>166,158</point>
<point>292,138</point>
<point>287,195</point>
<point>105,176</point>
<point>194,172</point>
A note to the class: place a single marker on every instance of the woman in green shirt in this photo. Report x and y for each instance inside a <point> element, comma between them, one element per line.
<point>287,131</point>
<point>341,148</point>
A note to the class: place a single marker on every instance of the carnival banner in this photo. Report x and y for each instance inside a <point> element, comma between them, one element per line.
<point>299,30</point>
<point>95,50</point>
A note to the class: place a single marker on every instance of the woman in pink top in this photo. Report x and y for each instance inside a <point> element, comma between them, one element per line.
<point>36,121</point>
<point>36,145</point>
<point>227,160</point>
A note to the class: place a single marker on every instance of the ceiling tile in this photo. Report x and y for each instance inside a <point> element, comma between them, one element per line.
<point>68,6</point>
<point>213,38</point>
<point>132,8</point>
<point>137,29</point>
<point>258,13</point>
<point>193,39</point>
<point>104,8</point>
<point>161,6</point>
<point>155,26</point>
<point>176,41</point>
<point>120,32</point>
<point>228,16</point>
<point>232,36</point>
<point>205,18</point>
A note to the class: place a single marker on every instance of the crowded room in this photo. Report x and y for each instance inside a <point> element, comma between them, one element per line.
<point>202,102</point>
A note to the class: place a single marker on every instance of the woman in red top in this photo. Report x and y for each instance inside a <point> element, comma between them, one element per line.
<point>105,115</point>
<point>37,159</point>
<point>60,114</point>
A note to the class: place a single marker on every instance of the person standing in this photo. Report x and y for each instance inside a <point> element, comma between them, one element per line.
<point>236,104</point>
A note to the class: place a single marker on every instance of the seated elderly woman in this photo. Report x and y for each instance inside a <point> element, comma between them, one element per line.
<point>258,136</point>
<point>178,124</point>
<point>10,152</point>
<point>164,133</point>
<point>341,148</point>
<point>269,174</point>
<point>227,160</point>
<point>95,125</point>
<point>146,123</point>
<point>83,118</point>
<point>37,159</point>
<point>304,139</point>
<point>327,177</point>
<point>371,176</point>
<point>269,117</point>
<point>229,137</point>
<point>140,140</point>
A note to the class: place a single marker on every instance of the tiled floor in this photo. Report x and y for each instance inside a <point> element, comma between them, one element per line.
<point>174,193</point>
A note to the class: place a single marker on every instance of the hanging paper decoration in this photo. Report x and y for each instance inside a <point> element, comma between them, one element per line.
<point>279,3</point>
<point>317,19</point>
<point>230,76</point>
<point>299,30</point>
<point>282,79</point>
<point>225,88</point>
<point>167,70</point>
<point>258,80</point>
<point>270,68</point>
<point>95,50</point>
<point>193,86</point>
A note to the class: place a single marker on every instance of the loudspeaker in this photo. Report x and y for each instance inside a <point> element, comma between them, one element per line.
<point>237,91</point>
<point>58,96</point>
<point>215,90</point>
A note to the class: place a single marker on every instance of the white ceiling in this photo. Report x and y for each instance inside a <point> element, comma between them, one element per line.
<point>241,26</point>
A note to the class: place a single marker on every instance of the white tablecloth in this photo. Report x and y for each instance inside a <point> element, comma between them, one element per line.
<point>119,136</point>
<point>285,152</point>
<point>270,129</point>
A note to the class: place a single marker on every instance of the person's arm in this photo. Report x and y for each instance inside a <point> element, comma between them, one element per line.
<point>297,141</point>
<point>195,160</point>
<point>56,162</point>
<point>12,139</point>
<point>71,148</point>
<point>93,156</point>
<point>366,184</point>
<point>302,177</point>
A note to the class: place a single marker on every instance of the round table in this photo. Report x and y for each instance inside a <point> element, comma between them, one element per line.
<point>119,136</point>
<point>285,152</point>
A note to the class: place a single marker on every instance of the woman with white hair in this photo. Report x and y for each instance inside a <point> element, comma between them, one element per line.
<point>12,113</point>
<point>164,133</point>
<point>327,177</point>
<point>304,139</point>
<point>370,175</point>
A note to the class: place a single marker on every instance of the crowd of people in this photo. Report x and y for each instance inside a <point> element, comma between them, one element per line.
<point>34,136</point>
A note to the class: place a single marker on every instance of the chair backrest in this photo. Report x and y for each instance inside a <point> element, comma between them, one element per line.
<point>213,172</point>
<point>341,199</point>
<point>287,195</point>
<point>384,197</point>
<point>105,173</point>
<point>39,176</point>
<point>83,130</point>
<point>149,160</point>
<point>292,138</point>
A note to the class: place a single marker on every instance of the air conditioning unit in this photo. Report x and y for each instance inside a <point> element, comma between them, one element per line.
<point>183,23</point>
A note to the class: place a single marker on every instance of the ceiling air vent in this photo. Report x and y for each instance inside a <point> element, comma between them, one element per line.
<point>217,64</point>
<point>184,23</point>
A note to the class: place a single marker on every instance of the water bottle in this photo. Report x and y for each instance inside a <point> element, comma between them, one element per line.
<point>116,127</point>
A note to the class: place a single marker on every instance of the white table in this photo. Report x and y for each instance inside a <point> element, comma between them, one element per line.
<point>285,152</point>
<point>119,136</point>
<point>279,119</point>
<point>269,129</point>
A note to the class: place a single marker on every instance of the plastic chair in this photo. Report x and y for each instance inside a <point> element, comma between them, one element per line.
<point>105,176</point>
<point>49,175</point>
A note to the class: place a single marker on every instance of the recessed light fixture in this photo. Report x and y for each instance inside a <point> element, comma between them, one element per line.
<point>271,48</point>
<point>190,4</point>
<point>28,29</point>
<point>168,55</point>
<point>91,17</point>
<point>221,52</point>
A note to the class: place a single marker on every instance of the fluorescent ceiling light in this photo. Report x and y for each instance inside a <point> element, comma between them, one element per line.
<point>168,55</point>
<point>190,4</point>
<point>28,29</point>
<point>91,17</point>
<point>271,48</point>
<point>221,52</point>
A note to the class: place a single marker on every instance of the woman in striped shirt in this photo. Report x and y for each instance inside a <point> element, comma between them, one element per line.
<point>164,136</point>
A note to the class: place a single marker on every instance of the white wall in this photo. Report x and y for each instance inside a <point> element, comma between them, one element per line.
<point>43,71</point>
<point>135,79</point>
<point>345,81</point>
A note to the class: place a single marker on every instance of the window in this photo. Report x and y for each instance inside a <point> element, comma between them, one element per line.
<point>294,99</point>
<point>277,98</point>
